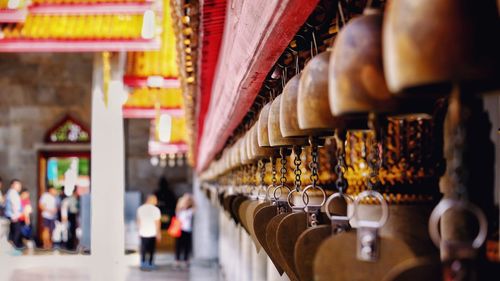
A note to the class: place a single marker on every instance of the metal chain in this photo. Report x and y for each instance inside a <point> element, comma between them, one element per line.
<point>374,162</point>
<point>262,170</point>
<point>273,165</point>
<point>457,174</point>
<point>282,205</point>
<point>252,175</point>
<point>297,171</point>
<point>283,167</point>
<point>340,170</point>
<point>243,178</point>
<point>236,178</point>
<point>314,165</point>
<point>231,179</point>
<point>341,167</point>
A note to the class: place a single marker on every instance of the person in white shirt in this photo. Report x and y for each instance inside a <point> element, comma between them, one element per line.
<point>49,207</point>
<point>148,220</point>
<point>69,217</point>
<point>184,213</point>
<point>13,210</point>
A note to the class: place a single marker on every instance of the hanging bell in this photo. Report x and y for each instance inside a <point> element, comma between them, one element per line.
<point>356,78</point>
<point>248,147</point>
<point>257,151</point>
<point>243,150</point>
<point>262,126</point>
<point>236,157</point>
<point>436,42</point>
<point>276,139</point>
<point>289,123</point>
<point>313,111</point>
<point>225,165</point>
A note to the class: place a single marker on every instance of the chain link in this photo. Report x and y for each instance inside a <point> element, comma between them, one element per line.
<point>273,165</point>
<point>253,175</point>
<point>298,172</point>
<point>374,162</point>
<point>242,177</point>
<point>340,170</point>
<point>283,167</point>
<point>314,165</point>
<point>237,178</point>
<point>232,178</point>
<point>458,176</point>
<point>262,170</point>
<point>341,167</point>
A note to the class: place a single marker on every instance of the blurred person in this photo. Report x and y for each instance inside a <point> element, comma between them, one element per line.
<point>13,210</point>
<point>166,199</point>
<point>184,213</point>
<point>70,208</point>
<point>49,207</point>
<point>148,220</point>
<point>25,218</point>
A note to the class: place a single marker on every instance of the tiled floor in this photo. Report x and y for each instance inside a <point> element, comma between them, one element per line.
<point>198,271</point>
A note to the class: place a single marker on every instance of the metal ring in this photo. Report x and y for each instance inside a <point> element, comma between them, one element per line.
<point>259,193</point>
<point>289,197</point>
<point>269,187</point>
<point>279,187</point>
<point>250,189</point>
<point>312,187</point>
<point>346,198</point>
<point>383,203</point>
<point>447,204</point>
<point>304,201</point>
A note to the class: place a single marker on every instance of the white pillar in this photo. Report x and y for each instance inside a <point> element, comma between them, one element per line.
<point>249,260</point>
<point>259,265</point>
<point>108,174</point>
<point>206,223</point>
<point>235,235</point>
<point>223,241</point>
<point>245,255</point>
<point>273,274</point>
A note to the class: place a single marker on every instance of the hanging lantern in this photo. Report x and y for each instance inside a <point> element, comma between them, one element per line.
<point>164,128</point>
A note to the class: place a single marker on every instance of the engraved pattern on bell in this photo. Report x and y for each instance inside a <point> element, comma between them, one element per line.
<point>408,158</point>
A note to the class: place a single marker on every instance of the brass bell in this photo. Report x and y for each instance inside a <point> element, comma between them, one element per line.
<point>356,78</point>
<point>236,158</point>
<point>313,111</point>
<point>276,139</point>
<point>229,161</point>
<point>289,123</point>
<point>242,148</point>
<point>257,151</point>
<point>262,126</point>
<point>225,166</point>
<point>436,42</point>
<point>248,147</point>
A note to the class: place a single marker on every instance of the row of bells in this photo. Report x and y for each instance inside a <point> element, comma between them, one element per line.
<point>378,64</point>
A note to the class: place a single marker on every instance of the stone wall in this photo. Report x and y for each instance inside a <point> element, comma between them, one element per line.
<point>37,90</point>
<point>141,175</point>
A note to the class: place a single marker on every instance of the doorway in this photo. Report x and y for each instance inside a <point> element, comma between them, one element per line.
<point>64,163</point>
<point>67,172</point>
